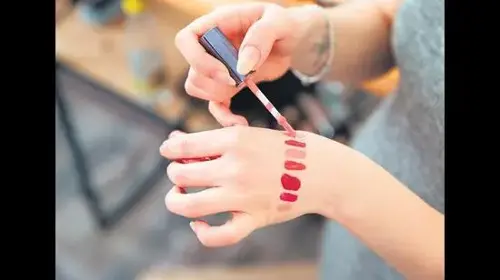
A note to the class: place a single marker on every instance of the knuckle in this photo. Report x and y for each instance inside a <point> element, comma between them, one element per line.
<point>201,66</point>
<point>183,145</point>
<point>236,172</point>
<point>189,87</point>
<point>196,79</point>
<point>236,134</point>
<point>179,38</point>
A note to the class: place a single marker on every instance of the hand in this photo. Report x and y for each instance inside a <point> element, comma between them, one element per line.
<point>266,35</point>
<point>244,171</point>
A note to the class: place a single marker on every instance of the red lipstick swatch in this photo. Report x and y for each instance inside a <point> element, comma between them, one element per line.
<point>288,197</point>
<point>295,143</point>
<point>294,153</point>
<point>290,182</point>
<point>292,165</point>
<point>191,160</point>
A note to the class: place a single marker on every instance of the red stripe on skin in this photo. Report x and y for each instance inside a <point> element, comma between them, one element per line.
<point>292,165</point>
<point>290,182</point>
<point>295,143</point>
<point>288,197</point>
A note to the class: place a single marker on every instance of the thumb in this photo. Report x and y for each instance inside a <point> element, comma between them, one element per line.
<point>260,38</point>
<point>232,232</point>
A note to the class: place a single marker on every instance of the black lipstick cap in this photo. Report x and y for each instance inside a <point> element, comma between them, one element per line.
<point>217,44</point>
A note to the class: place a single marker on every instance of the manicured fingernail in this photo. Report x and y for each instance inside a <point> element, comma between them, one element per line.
<point>224,78</point>
<point>192,226</point>
<point>248,59</point>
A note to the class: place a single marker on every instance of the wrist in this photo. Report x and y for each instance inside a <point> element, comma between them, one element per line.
<point>327,181</point>
<point>313,50</point>
<point>345,193</point>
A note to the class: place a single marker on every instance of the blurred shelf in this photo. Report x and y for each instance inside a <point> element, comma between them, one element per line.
<point>98,52</point>
<point>298,271</point>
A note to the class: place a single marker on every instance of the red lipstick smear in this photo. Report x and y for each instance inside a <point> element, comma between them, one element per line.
<point>191,160</point>
<point>292,165</point>
<point>295,143</point>
<point>288,197</point>
<point>290,182</point>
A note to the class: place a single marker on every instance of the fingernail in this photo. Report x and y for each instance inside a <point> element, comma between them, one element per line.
<point>224,78</point>
<point>192,226</point>
<point>248,59</point>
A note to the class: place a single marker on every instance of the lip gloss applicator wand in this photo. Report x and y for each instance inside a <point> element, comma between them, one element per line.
<point>217,45</point>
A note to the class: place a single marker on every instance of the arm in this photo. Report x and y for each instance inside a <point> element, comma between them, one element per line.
<point>388,218</point>
<point>361,40</point>
<point>363,197</point>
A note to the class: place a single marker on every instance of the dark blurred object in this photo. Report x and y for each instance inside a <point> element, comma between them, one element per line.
<point>329,3</point>
<point>145,52</point>
<point>281,92</point>
<point>219,46</point>
<point>316,114</point>
<point>100,12</point>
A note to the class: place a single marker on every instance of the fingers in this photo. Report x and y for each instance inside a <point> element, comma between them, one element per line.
<point>224,116</point>
<point>232,232</point>
<point>218,89</point>
<point>260,38</point>
<point>204,203</point>
<point>200,144</point>
<point>232,20</point>
<point>187,43</point>
<point>196,174</point>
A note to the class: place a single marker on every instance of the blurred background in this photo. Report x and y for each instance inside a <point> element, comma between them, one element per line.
<point>119,93</point>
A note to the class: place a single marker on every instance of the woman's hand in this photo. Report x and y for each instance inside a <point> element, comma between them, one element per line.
<point>266,35</point>
<point>247,170</point>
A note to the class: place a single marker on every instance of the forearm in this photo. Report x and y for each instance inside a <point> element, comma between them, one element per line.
<point>391,220</point>
<point>361,40</point>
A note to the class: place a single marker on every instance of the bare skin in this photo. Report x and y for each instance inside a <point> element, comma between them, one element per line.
<point>361,40</point>
<point>372,204</point>
<point>367,200</point>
